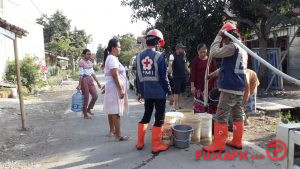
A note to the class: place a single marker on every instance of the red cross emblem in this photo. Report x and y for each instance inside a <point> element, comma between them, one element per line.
<point>147,63</point>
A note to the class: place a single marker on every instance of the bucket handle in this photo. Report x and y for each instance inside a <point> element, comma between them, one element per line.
<point>191,134</point>
<point>181,140</point>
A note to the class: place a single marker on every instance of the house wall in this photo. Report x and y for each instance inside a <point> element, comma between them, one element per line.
<point>1,8</point>
<point>32,45</point>
<point>294,56</point>
<point>6,52</point>
<point>293,61</point>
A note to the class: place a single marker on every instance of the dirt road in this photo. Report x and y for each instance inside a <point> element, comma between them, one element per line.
<point>58,138</point>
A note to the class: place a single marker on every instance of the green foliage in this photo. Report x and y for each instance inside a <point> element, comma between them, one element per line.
<point>56,24</point>
<point>126,56</point>
<point>129,48</point>
<point>260,16</point>
<point>30,72</point>
<point>100,53</point>
<point>60,39</point>
<point>181,21</point>
<point>286,117</point>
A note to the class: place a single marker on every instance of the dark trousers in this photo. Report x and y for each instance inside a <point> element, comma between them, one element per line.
<point>160,105</point>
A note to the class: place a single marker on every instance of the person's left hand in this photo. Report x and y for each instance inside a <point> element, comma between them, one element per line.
<point>171,99</point>
<point>103,89</point>
<point>99,85</point>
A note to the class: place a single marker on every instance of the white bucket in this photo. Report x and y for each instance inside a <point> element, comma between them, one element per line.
<point>206,127</point>
<point>193,120</point>
<point>185,111</point>
<point>171,119</point>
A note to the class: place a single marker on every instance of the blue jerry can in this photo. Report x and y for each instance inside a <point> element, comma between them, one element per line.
<point>77,102</point>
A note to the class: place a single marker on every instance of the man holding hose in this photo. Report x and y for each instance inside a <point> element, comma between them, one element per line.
<point>232,78</point>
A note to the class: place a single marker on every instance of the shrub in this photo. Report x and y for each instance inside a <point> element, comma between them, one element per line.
<point>30,72</point>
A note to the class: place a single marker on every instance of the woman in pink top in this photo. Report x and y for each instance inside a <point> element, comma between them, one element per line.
<point>86,83</point>
<point>115,98</point>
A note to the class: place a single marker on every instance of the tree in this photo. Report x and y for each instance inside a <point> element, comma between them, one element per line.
<point>100,53</point>
<point>57,24</point>
<point>260,16</point>
<point>128,41</point>
<point>60,39</point>
<point>79,41</point>
<point>129,48</point>
<point>181,21</point>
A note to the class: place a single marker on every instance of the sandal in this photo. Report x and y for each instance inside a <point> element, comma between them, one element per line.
<point>110,134</point>
<point>87,117</point>
<point>122,138</point>
<point>89,112</point>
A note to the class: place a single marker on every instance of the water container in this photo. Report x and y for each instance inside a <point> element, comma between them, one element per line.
<point>193,120</point>
<point>206,127</point>
<point>77,102</point>
<point>182,135</point>
<point>185,111</point>
<point>171,119</point>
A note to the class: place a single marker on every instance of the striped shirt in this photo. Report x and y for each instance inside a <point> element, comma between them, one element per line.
<point>85,68</point>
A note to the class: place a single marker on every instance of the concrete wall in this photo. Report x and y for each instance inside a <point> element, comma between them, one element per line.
<point>1,8</point>
<point>294,57</point>
<point>18,12</point>
<point>6,52</point>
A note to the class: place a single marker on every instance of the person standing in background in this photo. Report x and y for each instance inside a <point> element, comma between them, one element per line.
<point>177,68</point>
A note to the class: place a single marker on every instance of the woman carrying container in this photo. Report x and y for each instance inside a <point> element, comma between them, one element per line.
<point>115,98</point>
<point>86,83</point>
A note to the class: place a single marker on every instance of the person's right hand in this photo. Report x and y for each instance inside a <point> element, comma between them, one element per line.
<point>209,76</point>
<point>78,87</point>
<point>139,98</point>
<point>122,94</point>
<point>221,33</point>
<point>171,99</point>
<point>193,90</point>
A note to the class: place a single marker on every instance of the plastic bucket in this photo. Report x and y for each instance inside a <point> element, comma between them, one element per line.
<point>171,119</point>
<point>206,126</point>
<point>195,121</point>
<point>182,135</point>
<point>186,111</point>
<point>182,143</point>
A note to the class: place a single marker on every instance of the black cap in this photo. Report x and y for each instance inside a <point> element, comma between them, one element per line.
<point>180,45</point>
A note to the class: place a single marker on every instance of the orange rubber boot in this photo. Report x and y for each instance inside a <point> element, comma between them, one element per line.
<point>220,136</point>
<point>236,142</point>
<point>157,145</point>
<point>141,136</point>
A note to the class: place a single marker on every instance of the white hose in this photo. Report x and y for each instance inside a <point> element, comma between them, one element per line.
<point>262,61</point>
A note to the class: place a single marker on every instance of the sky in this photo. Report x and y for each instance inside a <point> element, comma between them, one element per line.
<point>101,18</point>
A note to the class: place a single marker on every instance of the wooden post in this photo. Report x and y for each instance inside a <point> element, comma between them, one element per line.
<point>23,114</point>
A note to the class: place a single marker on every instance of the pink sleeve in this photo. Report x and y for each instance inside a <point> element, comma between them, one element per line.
<point>81,63</point>
<point>112,63</point>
